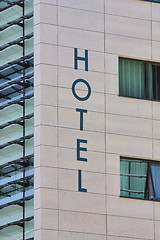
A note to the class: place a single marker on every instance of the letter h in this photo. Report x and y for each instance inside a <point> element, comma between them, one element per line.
<point>76,58</point>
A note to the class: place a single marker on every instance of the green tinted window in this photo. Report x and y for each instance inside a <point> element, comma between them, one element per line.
<point>139,79</point>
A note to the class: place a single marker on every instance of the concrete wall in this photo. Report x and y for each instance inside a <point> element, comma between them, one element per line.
<point>113,126</point>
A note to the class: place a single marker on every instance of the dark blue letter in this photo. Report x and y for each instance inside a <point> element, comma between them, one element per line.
<point>81,116</point>
<point>74,92</point>
<point>80,189</point>
<point>76,58</point>
<point>79,148</point>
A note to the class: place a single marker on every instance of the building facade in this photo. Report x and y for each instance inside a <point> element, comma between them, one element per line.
<point>96,120</point>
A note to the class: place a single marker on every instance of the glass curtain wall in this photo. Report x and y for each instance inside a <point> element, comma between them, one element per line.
<point>16,119</point>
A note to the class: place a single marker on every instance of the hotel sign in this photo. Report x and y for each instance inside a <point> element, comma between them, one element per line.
<point>81,112</point>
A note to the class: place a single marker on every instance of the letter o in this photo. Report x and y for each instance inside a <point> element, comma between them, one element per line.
<point>74,92</point>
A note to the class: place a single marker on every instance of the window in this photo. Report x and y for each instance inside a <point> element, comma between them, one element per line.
<point>139,179</point>
<point>157,1</point>
<point>139,79</point>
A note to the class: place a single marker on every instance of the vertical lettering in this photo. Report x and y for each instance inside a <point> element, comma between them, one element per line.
<point>79,149</point>
<point>81,111</point>
<point>80,189</point>
<point>74,90</point>
<point>84,97</point>
<point>76,58</point>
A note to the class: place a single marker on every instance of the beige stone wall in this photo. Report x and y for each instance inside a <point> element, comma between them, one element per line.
<point>114,126</point>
